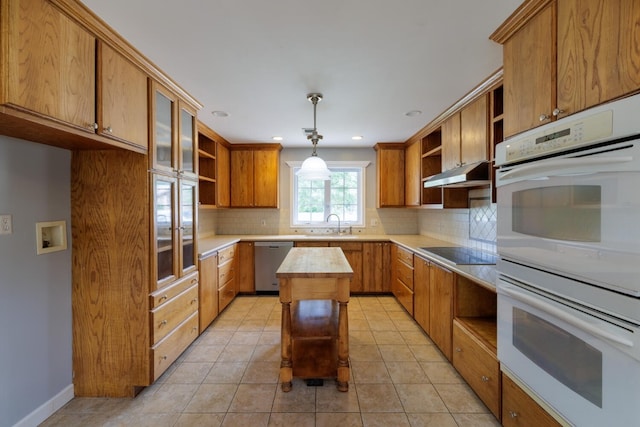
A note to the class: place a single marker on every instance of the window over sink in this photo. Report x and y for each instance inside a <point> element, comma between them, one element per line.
<point>343,195</point>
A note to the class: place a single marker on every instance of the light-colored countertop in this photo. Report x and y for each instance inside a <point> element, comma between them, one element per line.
<point>315,262</point>
<point>485,275</point>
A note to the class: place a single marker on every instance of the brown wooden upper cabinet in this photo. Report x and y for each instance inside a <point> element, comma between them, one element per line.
<point>49,71</point>
<point>563,57</point>
<point>465,135</point>
<point>390,174</point>
<point>213,168</point>
<point>412,178</point>
<point>174,139</point>
<point>254,176</point>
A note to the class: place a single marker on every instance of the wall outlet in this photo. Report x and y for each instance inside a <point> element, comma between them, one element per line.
<point>374,222</point>
<point>6,225</point>
<point>263,222</point>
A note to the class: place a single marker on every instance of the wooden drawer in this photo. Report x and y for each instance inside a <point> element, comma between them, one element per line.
<point>167,351</point>
<point>226,294</point>
<point>404,255</point>
<point>226,254</point>
<point>313,244</point>
<point>478,366</point>
<point>403,294</point>
<point>347,246</point>
<point>170,314</point>
<point>226,272</point>
<point>519,409</point>
<point>405,274</point>
<point>165,294</point>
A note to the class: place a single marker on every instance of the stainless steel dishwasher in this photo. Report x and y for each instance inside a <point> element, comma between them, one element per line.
<point>269,256</point>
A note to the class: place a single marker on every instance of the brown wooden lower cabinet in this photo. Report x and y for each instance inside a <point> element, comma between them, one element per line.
<point>402,276</point>
<point>478,365</point>
<point>421,290</point>
<point>208,290</point>
<point>519,409</point>
<point>227,281</point>
<point>376,273</point>
<point>353,253</point>
<point>441,283</point>
<point>246,270</point>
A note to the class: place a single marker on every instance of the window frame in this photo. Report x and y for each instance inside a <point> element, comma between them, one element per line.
<point>361,166</point>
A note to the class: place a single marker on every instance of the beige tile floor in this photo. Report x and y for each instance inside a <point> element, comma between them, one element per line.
<point>229,377</point>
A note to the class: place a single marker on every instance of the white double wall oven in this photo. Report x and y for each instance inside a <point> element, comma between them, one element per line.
<point>569,267</point>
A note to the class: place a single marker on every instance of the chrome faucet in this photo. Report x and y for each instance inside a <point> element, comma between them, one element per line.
<point>330,215</point>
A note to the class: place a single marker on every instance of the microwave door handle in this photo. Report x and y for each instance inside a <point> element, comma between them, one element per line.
<point>560,314</point>
<point>554,166</point>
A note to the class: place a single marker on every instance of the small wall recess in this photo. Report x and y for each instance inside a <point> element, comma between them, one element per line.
<point>51,237</point>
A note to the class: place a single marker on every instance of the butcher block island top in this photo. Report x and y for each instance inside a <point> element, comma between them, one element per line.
<point>315,262</point>
<point>314,292</point>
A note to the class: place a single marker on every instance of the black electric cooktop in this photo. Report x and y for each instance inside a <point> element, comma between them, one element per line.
<point>462,255</point>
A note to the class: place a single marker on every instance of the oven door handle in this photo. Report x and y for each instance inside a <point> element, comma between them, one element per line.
<point>554,166</point>
<point>560,314</point>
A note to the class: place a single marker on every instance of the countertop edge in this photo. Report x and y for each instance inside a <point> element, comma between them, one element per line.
<point>484,275</point>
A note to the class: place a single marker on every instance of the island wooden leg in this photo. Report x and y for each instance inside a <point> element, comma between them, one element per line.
<point>286,367</point>
<point>343,348</point>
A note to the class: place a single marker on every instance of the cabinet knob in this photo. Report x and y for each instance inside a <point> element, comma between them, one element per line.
<point>108,129</point>
<point>484,378</point>
<point>164,322</point>
<point>93,126</point>
<point>458,350</point>
<point>163,358</point>
<point>513,414</point>
<point>556,112</point>
<point>194,300</point>
<point>544,117</point>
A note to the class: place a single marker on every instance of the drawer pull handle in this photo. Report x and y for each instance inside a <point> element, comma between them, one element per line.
<point>458,350</point>
<point>484,378</point>
<point>163,358</point>
<point>513,414</point>
<point>194,280</point>
<point>164,322</point>
<point>194,300</point>
<point>163,297</point>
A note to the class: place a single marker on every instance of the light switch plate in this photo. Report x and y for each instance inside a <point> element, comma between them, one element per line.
<point>6,225</point>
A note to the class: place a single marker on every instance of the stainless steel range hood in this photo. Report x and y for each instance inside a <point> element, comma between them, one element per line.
<point>472,175</point>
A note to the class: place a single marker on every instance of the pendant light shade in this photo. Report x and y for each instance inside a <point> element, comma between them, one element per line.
<point>314,167</point>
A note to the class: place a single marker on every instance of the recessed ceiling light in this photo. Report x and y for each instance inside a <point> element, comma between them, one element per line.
<point>357,137</point>
<point>413,113</point>
<point>277,138</point>
<point>218,113</point>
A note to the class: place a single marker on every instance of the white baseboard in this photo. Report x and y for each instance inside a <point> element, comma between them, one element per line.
<point>47,409</point>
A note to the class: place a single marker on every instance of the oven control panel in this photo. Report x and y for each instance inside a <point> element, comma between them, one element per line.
<point>568,135</point>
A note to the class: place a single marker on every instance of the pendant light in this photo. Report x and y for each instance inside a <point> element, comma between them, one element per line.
<point>314,167</point>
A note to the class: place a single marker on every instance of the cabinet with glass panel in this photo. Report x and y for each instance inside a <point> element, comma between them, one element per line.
<point>174,186</point>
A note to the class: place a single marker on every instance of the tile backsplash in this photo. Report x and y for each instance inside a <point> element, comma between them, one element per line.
<point>473,227</point>
<point>277,221</point>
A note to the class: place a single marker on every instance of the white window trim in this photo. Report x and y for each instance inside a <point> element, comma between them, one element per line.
<point>330,164</point>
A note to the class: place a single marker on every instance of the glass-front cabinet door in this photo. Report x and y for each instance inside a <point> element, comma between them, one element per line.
<point>188,211</point>
<point>164,107</point>
<point>164,229</point>
<point>187,143</point>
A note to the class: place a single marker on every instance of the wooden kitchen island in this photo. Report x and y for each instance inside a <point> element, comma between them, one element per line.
<point>314,292</point>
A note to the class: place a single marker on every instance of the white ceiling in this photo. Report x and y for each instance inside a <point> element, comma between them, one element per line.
<point>373,60</point>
